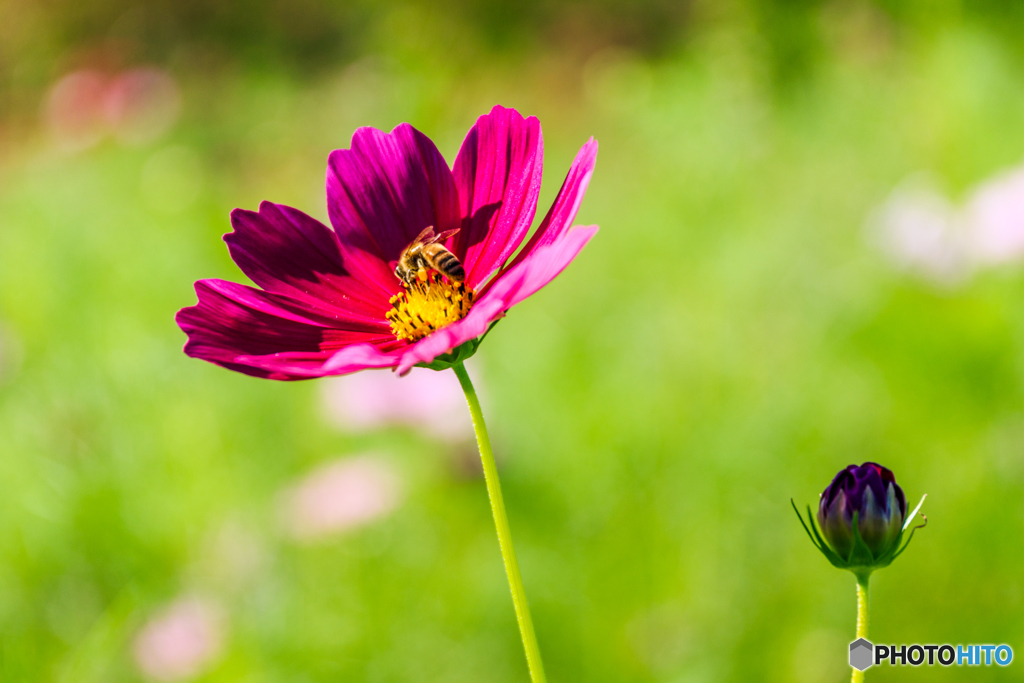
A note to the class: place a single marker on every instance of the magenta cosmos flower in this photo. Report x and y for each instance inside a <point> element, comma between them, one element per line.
<point>331,303</point>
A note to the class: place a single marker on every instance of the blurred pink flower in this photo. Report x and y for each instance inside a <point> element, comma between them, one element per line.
<point>425,400</point>
<point>75,109</point>
<point>339,496</point>
<point>142,104</point>
<point>181,641</point>
<point>995,218</point>
<point>137,106</point>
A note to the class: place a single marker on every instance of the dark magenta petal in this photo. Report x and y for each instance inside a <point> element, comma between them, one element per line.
<point>563,211</point>
<point>383,192</point>
<point>287,252</point>
<point>233,323</point>
<point>498,174</point>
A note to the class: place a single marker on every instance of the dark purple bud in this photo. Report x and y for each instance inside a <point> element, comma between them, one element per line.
<point>871,491</point>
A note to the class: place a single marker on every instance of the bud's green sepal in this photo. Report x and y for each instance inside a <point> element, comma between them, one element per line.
<point>861,560</point>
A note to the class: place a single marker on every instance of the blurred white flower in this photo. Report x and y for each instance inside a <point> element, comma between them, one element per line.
<point>424,399</point>
<point>920,231</point>
<point>995,218</point>
<point>339,496</point>
<point>180,641</point>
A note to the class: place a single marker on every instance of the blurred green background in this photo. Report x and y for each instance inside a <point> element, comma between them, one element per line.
<point>733,336</point>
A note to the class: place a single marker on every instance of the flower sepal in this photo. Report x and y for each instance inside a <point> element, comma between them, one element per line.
<point>454,357</point>
<point>460,353</point>
<point>861,560</point>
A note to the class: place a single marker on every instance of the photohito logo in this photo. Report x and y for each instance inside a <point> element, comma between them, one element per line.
<point>863,654</point>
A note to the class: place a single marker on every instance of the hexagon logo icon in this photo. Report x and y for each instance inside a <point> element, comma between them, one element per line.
<point>861,651</point>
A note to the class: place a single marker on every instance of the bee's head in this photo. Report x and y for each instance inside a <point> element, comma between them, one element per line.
<point>407,273</point>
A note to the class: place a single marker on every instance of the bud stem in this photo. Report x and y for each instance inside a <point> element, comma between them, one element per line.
<point>508,553</point>
<point>862,617</point>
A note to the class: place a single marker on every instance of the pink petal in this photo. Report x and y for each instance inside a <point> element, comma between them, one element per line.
<point>498,173</point>
<point>563,211</point>
<point>233,323</point>
<point>383,192</point>
<point>362,357</point>
<point>287,252</point>
<point>298,365</point>
<point>539,267</point>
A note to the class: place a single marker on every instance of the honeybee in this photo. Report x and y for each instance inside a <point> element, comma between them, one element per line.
<point>424,253</point>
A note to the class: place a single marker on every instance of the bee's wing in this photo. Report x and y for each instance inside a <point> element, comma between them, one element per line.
<point>444,235</point>
<point>425,237</point>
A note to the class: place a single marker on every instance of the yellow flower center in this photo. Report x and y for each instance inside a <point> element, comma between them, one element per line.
<point>428,305</point>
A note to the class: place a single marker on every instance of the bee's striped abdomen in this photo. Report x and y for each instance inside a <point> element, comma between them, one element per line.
<point>449,265</point>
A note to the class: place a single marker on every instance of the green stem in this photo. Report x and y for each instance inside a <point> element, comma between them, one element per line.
<point>862,617</point>
<point>508,553</point>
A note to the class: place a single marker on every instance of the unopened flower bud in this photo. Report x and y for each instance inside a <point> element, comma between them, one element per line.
<point>872,493</point>
<point>862,515</point>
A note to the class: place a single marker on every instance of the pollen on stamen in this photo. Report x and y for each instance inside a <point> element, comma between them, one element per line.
<point>428,305</point>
